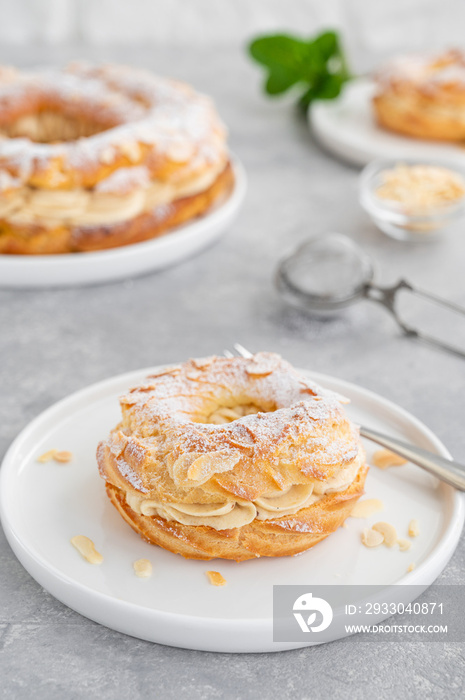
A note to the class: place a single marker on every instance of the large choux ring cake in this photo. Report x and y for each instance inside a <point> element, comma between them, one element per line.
<point>423,96</point>
<point>233,458</point>
<point>94,157</point>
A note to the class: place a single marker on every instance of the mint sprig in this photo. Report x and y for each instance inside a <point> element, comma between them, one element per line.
<point>317,65</point>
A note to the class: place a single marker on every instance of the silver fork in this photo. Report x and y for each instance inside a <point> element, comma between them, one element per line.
<point>447,470</point>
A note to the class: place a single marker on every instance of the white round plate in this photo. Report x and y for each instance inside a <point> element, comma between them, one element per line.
<point>346,127</point>
<point>43,505</point>
<point>127,261</point>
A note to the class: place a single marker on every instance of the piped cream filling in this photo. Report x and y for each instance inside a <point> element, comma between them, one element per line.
<point>231,514</point>
<point>100,206</point>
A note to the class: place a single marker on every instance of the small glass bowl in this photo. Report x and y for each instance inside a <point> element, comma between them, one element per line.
<point>402,221</point>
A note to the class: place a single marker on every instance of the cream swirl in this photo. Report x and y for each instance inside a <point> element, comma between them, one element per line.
<point>230,514</point>
<point>126,194</point>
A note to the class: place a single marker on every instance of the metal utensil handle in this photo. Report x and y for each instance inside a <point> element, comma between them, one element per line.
<point>386,296</point>
<point>447,470</point>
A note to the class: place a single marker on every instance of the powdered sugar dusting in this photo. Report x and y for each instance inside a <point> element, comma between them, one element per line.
<point>124,180</point>
<point>135,107</point>
<point>304,423</point>
<point>130,475</point>
<point>426,72</point>
<point>8,182</point>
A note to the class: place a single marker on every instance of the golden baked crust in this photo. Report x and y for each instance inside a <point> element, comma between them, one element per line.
<point>233,458</point>
<point>423,97</point>
<point>94,157</point>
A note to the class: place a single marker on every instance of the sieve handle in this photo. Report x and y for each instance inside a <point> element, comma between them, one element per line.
<point>386,296</point>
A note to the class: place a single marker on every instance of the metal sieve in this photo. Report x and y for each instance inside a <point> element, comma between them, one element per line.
<point>327,273</point>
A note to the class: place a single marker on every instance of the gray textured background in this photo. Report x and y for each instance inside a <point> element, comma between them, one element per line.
<point>55,342</point>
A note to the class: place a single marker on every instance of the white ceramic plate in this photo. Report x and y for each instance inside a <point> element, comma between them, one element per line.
<point>346,127</point>
<point>43,505</point>
<point>127,261</point>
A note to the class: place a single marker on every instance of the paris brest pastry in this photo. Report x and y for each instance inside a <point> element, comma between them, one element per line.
<point>233,458</point>
<point>95,157</point>
<point>423,96</point>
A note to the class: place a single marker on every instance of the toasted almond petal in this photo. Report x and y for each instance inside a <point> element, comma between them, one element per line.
<point>47,456</point>
<point>174,369</point>
<point>388,531</point>
<point>410,567</point>
<point>143,568</point>
<point>262,364</point>
<point>224,414</point>
<point>259,369</point>
<point>363,509</point>
<point>404,545</point>
<point>63,456</point>
<point>131,150</point>
<point>203,362</point>
<point>86,548</point>
<point>414,528</point>
<point>216,578</point>
<point>218,419</point>
<point>213,463</point>
<point>383,459</point>
<point>107,156</point>
<point>370,538</point>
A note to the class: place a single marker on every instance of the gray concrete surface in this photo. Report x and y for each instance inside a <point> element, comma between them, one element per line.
<point>53,342</point>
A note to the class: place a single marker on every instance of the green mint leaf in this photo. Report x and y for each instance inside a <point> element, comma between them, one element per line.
<point>307,98</point>
<point>316,65</point>
<point>280,51</point>
<point>329,88</point>
<point>327,44</point>
<point>280,81</point>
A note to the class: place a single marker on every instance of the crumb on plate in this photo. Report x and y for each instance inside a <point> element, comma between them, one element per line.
<point>143,568</point>
<point>388,532</point>
<point>215,578</point>
<point>414,528</point>
<point>363,509</point>
<point>63,456</point>
<point>383,459</point>
<point>86,549</point>
<point>371,538</point>
<point>47,456</point>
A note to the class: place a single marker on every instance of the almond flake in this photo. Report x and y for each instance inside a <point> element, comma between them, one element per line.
<point>215,578</point>
<point>107,156</point>
<point>164,370</point>
<point>214,463</point>
<point>131,150</point>
<point>383,459</point>
<point>63,456</point>
<point>388,532</point>
<point>86,549</point>
<point>143,568</point>
<point>413,528</point>
<point>404,545</point>
<point>203,362</point>
<point>363,509</point>
<point>259,370</point>
<point>47,456</point>
<point>371,538</point>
